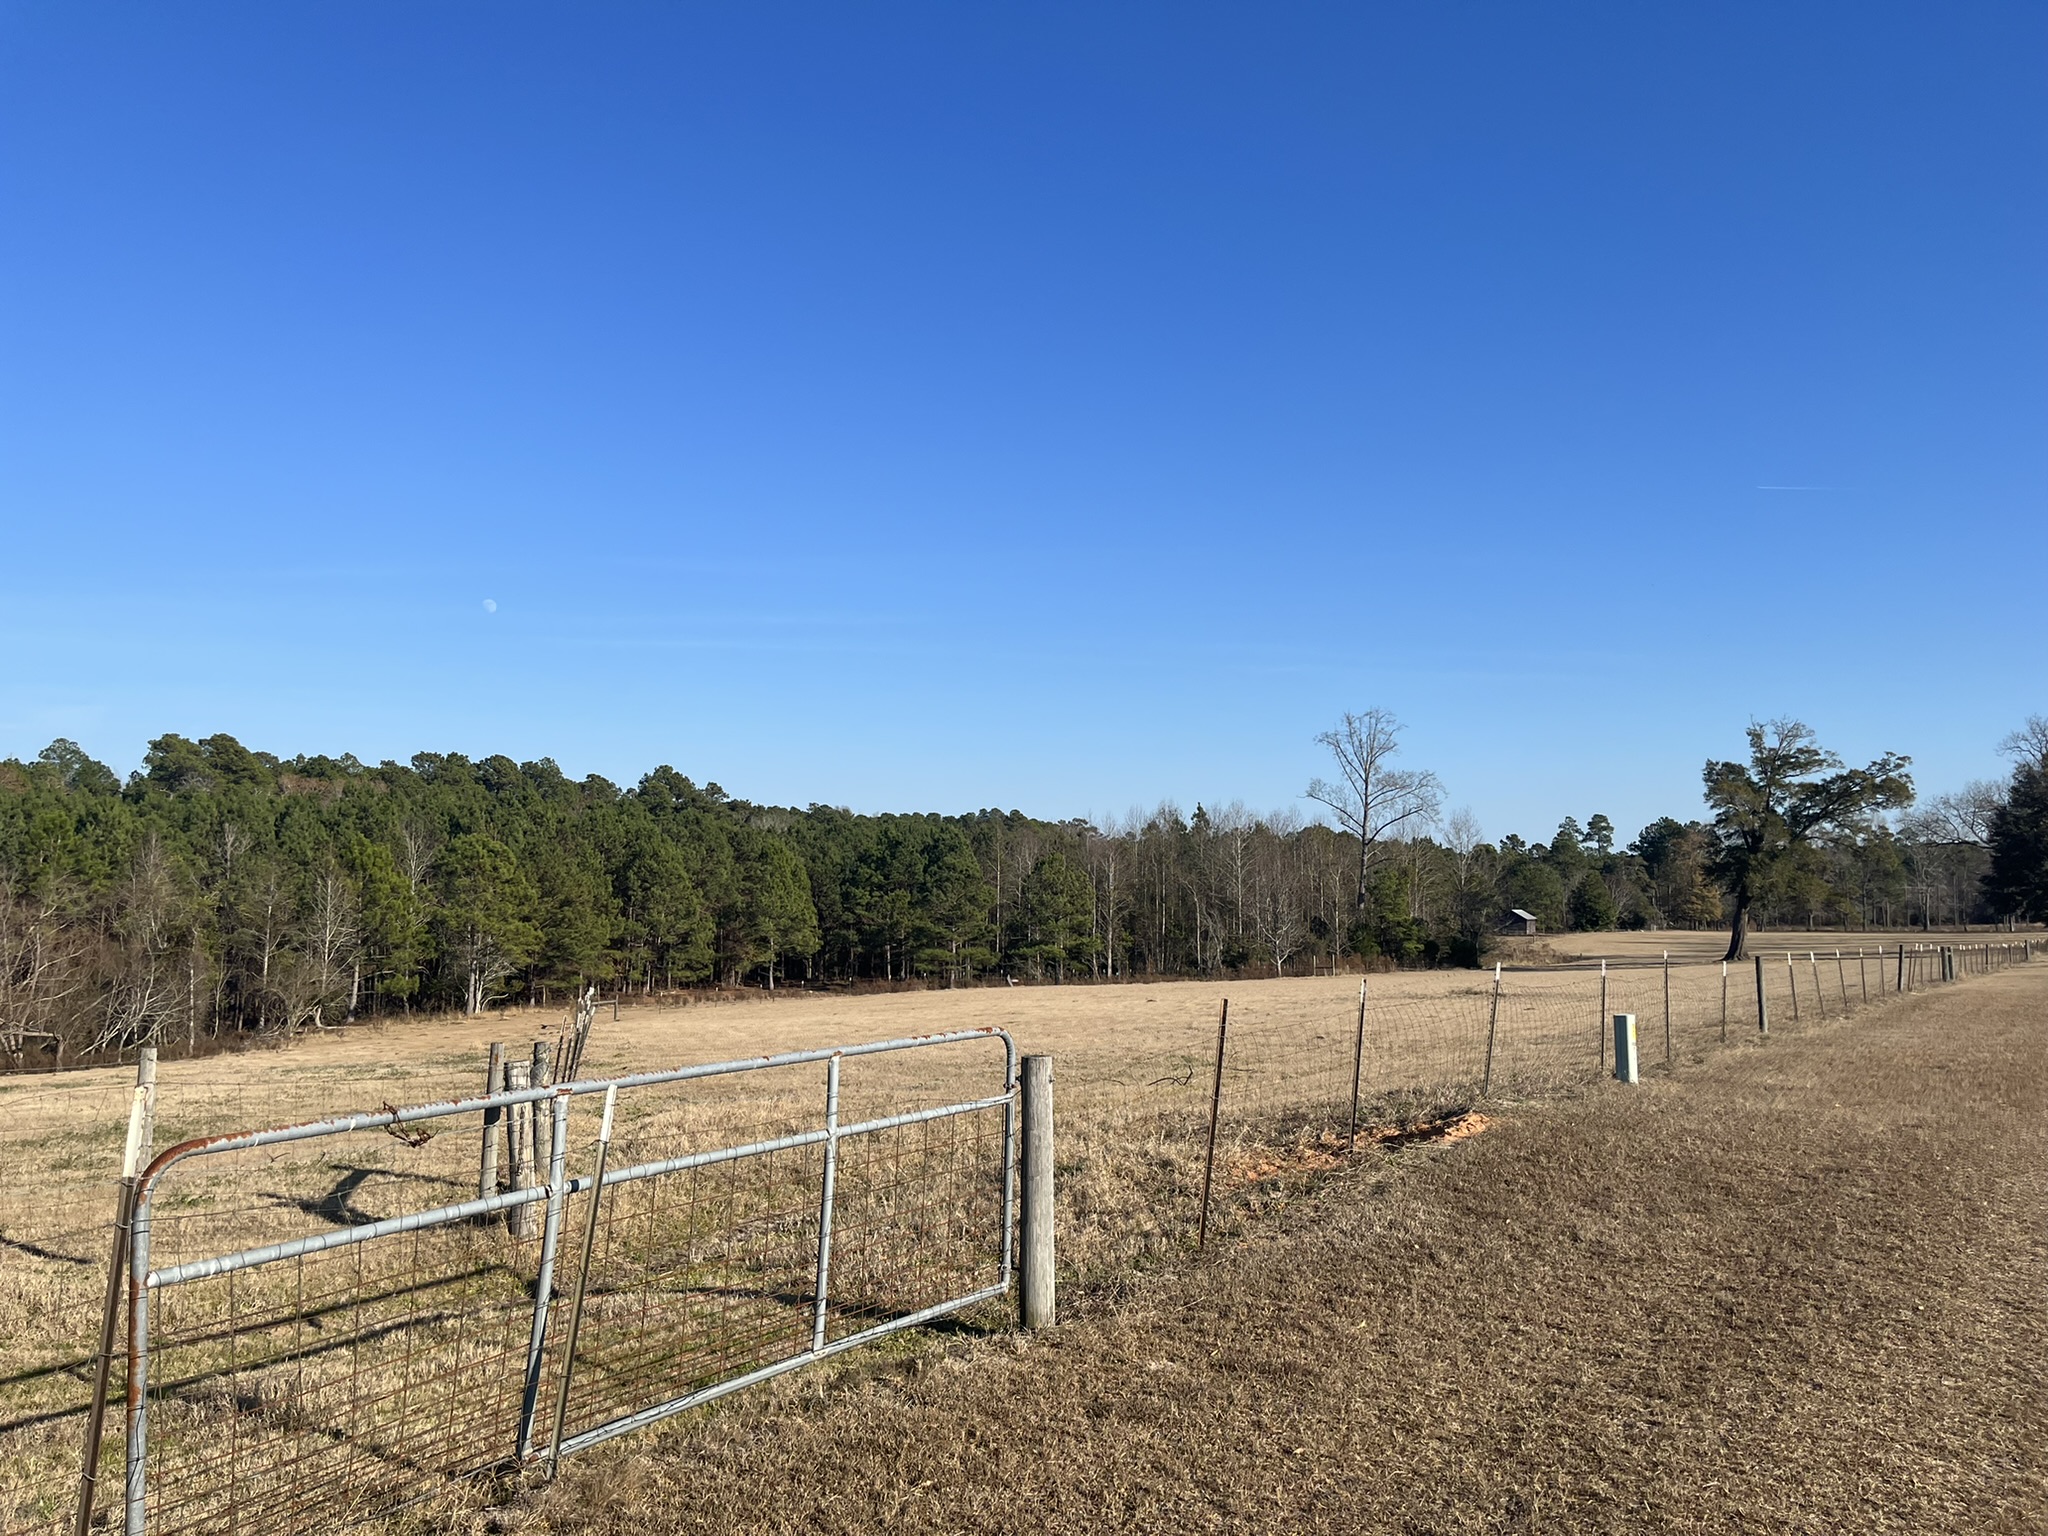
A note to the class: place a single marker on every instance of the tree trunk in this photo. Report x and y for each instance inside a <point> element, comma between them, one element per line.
<point>1738,936</point>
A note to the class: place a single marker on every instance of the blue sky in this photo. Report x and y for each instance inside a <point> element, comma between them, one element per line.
<point>1058,407</point>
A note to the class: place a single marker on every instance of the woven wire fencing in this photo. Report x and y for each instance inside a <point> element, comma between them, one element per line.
<point>1288,1096</point>
<point>329,1389</point>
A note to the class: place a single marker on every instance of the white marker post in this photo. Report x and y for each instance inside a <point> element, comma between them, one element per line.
<point>1625,1049</point>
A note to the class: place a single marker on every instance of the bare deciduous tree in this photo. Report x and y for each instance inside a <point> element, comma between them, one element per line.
<point>1370,798</point>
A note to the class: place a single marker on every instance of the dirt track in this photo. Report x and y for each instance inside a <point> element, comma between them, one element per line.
<point>1799,1288</point>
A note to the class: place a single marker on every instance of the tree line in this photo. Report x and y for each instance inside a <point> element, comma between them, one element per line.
<point>221,893</point>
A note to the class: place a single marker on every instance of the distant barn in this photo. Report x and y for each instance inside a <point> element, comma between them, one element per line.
<point>1518,921</point>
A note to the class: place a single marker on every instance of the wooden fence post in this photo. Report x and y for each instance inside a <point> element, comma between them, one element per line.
<point>542,1122</point>
<point>494,1128</point>
<point>1763,1011</point>
<point>1037,1279</point>
<point>1724,1002</point>
<point>519,1149</point>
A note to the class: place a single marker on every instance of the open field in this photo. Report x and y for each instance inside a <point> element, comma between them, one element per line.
<point>436,1332</point>
<point>1699,945</point>
<point>1798,1289</point>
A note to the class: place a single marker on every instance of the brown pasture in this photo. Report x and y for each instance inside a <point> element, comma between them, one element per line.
<point>1133,1072</point>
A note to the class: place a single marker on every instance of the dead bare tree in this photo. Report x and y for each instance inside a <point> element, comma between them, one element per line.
<point>329,936</point>
<point>1371,798</point>
<point>2028,744</point>
<point>1278,921</point>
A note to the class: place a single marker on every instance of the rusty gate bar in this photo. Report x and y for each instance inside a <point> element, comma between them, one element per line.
<point>142,1279</point>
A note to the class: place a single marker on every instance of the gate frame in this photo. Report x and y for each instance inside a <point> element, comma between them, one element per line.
<point>142,1280</point>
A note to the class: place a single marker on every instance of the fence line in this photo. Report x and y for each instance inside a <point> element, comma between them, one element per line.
<point>308,1293</point>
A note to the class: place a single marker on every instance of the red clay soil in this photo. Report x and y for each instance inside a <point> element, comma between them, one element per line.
<point>1802,1287</point>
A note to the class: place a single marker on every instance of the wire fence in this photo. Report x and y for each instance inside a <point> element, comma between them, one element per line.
<point>328,1388</point>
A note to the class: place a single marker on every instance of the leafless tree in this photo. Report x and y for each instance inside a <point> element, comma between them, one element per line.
<point>151,911</point>
<point>318,977</point>
<point>44,972</point>
<point>1370,798</point>
<point>1962,816</point>
<point>1277,921</point>
<point>2028,744</point>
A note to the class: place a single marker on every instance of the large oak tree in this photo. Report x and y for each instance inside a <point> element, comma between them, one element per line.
<point>1768,811</point>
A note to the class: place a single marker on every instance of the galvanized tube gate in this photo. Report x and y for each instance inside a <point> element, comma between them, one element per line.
<point>664,1283</point>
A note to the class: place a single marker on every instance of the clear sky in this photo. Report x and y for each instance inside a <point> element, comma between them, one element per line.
<point>1059,407</point>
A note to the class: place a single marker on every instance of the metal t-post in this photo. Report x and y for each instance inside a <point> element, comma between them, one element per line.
<point>141,1124</point>
<point>1602,1031</point>
<point>1667,1007</point>
<point>1492,1030</point>
<point>1215,1109</point>
<point>1357,1069</point>
<point>604,1149</point>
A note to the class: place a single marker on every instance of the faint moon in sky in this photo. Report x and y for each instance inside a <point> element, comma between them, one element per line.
<point>490,605</point>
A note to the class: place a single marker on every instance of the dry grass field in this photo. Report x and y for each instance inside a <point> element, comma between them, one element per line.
<point>1134,1066</point>
<point>1799,1288</point>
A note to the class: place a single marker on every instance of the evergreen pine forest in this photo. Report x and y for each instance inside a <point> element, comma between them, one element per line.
<point>223,894</point>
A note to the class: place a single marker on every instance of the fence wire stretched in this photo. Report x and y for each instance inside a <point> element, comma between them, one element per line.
<point>324,1389</point>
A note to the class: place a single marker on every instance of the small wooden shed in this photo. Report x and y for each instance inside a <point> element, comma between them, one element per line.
<point>1518,921</point>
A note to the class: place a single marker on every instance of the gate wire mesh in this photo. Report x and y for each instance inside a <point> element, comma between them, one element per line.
<point>322,1389</point>
<point>374,1360</point>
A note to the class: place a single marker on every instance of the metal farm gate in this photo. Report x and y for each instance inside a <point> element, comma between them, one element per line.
<point>321,1332</point>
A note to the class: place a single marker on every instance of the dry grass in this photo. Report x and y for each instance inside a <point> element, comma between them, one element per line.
<point>1800,1289</point>
<point>1134,1065</point>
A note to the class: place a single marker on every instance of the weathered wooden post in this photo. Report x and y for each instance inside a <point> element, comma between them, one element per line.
<point>541,1121</point>
<point>1820,1000</point>
<point>494,1123</point>
<point>1724,1002</point>
<point>1792,985</point>
<point>1901,986</point>
<point>519,1149</point>
<point>1763,1010</point>
<point>134,1158</point>
<point>1625,1066</point>
<point>1037,1280</point>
